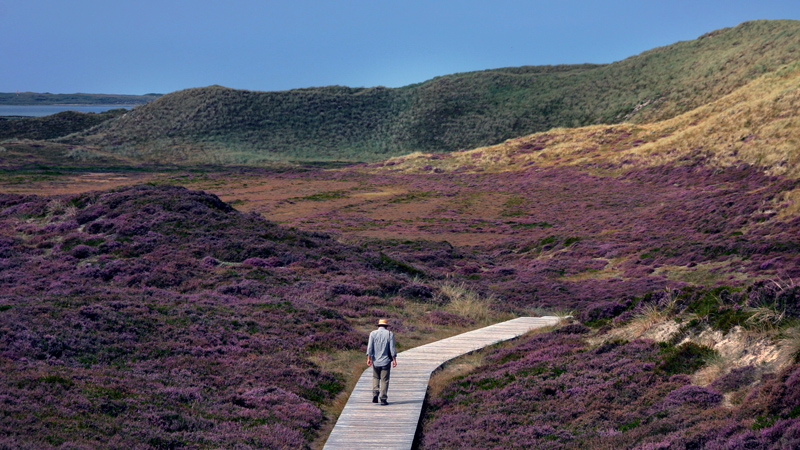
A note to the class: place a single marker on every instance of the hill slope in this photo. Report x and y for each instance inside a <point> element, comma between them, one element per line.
<point>216,124</point>
<point>755,125</point>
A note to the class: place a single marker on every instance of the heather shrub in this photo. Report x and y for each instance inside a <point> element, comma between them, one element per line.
<point>346,289</point>
<point>245,288</point>
<point>735,379</point>
<point>209,262</point>
<point>278,437</point>
<point>777,398</point>
<point>623,318</point>
<point>416,291</point>
<point>548,391</point>
<point>573,328</point>
<point>597,312</point>
<point>775,295</point>
<point>398,326</point>
<point>257,262</point>
<point>81,251</point>
<point>90,214</point>
<point>694,396</point>
<point>339,340</point>
<point>542,390</point>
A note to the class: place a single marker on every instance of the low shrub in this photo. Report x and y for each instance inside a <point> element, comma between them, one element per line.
<point>684,359</point>
<point>735,379</point>
<point>695,396</point>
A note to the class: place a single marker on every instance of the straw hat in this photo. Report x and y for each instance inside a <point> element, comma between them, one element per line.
<point>383,323</point>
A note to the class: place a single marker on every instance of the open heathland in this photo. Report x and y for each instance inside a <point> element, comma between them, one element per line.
<point>154,295</point>
<point>158,316</point>
<point>152,291</point>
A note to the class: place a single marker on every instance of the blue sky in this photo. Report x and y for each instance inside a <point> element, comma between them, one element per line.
<point>136,47</point>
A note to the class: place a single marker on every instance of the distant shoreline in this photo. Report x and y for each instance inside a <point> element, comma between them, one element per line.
<point>79,99</point>
<point>23,111</point>
<point>86,105</point>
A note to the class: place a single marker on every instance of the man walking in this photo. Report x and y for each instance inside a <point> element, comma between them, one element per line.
<point>382,356</point>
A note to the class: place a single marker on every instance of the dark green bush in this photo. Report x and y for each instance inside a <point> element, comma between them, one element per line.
<point>684,359</point>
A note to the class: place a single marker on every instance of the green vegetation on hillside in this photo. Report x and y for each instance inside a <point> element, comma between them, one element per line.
<point>221,125</point>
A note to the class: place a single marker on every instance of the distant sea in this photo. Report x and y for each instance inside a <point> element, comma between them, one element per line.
<point>46,110</point>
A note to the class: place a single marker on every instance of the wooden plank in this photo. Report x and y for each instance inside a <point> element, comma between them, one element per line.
<point>366,425</point>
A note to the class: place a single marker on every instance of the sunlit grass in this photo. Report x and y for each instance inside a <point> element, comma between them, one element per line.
<point>790,341</point>
<point>729,131</point>
<point>703,274</point>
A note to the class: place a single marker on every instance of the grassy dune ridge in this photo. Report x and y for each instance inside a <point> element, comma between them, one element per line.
<point>756,125</point>
<point>461,111</point>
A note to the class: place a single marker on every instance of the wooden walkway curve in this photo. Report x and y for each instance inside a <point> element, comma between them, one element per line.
<point>366,425</point>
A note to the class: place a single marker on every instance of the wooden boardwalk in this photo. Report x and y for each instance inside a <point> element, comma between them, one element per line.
<point>366,425</point>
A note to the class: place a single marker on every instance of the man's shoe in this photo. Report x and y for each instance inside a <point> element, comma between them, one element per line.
<point>375,399</point>
<point>384,402</point>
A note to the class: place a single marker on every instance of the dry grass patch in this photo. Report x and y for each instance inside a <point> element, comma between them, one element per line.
<point>790,205</point>
<point>467,303</point>
<point>715,367</point>
<point>790,344</point>
<point>735,128</point>
<point>703,274</point>
<point>765,319</point>
<point>650,316</point>
<point>655,325</point>
<point>609,271</point>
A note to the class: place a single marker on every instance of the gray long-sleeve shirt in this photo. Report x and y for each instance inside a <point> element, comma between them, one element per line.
<point>381,347</point>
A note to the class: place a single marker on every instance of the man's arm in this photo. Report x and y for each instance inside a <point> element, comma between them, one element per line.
<point>369,350</point>
<point>393,351</point>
